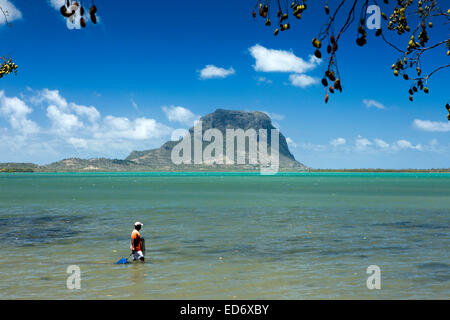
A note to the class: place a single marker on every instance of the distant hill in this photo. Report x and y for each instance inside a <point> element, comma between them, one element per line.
<point>221,120</point>
<point>18,167</point>
<point>160,159</point>
<point>89,165</point>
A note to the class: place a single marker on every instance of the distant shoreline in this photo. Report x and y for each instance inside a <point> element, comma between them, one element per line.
<point>33,170</point>
<point>16,167</point>
<point>384,170</point>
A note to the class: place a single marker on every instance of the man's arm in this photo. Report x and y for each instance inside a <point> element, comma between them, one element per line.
<point>135,242</point>
<point>133,247</point>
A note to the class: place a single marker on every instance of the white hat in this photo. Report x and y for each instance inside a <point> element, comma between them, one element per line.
<point>138,224</point>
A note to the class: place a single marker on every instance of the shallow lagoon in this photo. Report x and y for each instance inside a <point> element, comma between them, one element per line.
<point>225,236</point>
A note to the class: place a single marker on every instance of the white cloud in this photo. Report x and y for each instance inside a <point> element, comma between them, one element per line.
<point>275,116</point>
<point>138,129</point>
<point>263,80</point>
<point>373,104</point>
<point>78,143</point>
<point>405,144</point>
<point>211,72</point>
<point>370,149</point>
<point>180,114</point>
<point>291,143</point>
<point>338,141</point>
<point>62,122</point>
<point>91,113</point>
<point>302,80</point>
<point>381,143</point>
<point>271,60</point>
<point>312,147</point>
<point>10,10</point>
<point>435,146</point>
<point>362,143</point>
<point>57,3</point>
<point>117,123</point>
<point>433,126</point>
<point>16,111</point>
<point>51,97</point>
<point>72,126</point>
<point>54,99</point>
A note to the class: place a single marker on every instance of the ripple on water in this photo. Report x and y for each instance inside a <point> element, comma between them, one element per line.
<point>410,225</point>
<point>435,270</point>
<point>39,228</point>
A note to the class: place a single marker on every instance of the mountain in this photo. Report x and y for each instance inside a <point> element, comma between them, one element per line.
<point>221,120</point>
<point>160,159</point>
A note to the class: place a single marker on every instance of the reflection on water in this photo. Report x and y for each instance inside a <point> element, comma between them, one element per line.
<point>281,237</point>
<point>137,278</point>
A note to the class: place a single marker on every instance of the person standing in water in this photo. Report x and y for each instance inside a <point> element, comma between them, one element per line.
<point>137,243</point>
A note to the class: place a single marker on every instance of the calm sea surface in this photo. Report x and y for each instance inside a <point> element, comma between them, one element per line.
<point>216,236</point>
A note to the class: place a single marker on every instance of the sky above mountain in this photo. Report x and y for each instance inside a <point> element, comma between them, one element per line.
<point>150,67</point>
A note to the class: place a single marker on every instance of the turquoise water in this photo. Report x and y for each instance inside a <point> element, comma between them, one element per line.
<point>226,236</point>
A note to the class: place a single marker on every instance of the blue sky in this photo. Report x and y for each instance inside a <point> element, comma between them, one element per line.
<point>149,68</point>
